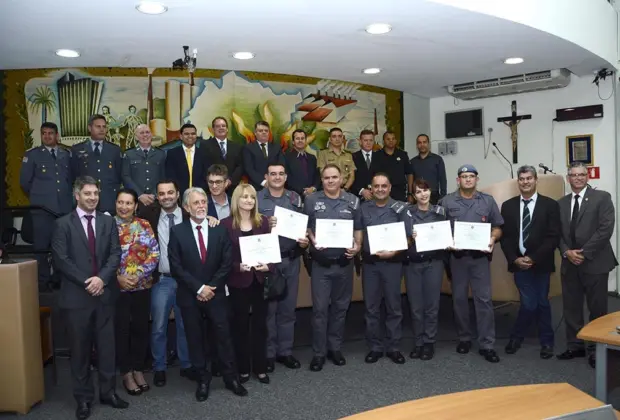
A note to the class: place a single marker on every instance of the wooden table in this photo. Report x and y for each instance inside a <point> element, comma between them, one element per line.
<point>520,402</point>
<point>602,331</point>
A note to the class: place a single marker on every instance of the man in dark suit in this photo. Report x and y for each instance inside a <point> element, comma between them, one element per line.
<point>303,174</point>
<point>219,196</point>
<point>367,163</point>
<point>531,235</point>
<point>257,154</point>
<point>201,291</point>
<point>222,151</point>
<point>87,253</point>
<point>588,218</point>
<point>180,160</point>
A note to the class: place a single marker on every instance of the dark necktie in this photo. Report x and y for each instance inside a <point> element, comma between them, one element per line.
<point>91,243</point>
<point>303,161</point>
<point>201,242</point>
<point>97,151</point>
<point>170,223</point>
<point>223,149</point>
<point>525,222</point>
<point>368,160</point>
<point>262,146</point>
<point>573,222</point>
<point>53,152</point>
<point>146,153</point>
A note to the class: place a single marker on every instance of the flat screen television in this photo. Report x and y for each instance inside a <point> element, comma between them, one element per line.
<point>464,124</point>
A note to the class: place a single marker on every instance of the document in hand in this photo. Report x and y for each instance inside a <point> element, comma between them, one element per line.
<point>472,236</point>
<point>334,233</point>
<point>260,249</point>
<point>290,224</point>
<point>387,237</point>
<point>433,236</point>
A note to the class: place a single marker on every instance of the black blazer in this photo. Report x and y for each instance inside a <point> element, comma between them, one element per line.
<point>187,268</point>
<point>363,175</point>
<point>176,168</point>
<point>255,165</point>
<point>233,161</point>
<point>73,261</point>
<point>544,234</point>
<point>295,179</point>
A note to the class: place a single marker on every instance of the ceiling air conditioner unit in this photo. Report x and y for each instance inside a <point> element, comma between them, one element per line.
<point>530,82</point>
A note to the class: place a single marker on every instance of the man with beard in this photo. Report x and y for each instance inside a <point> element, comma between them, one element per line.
<point>429,167</point>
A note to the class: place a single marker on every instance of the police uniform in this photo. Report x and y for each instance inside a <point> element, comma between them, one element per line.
<point>381,279</point>
<point>397,168</point>
<point>47,182</point>
<point>472,267</point>
<point>105,169</point>
<point>143,170</point>
<point>423,278</point>
<point>281,314</point>
<point>344,161</point>
<point>332,272</point>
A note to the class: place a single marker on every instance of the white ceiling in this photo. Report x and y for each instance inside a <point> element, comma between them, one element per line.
<point>431,45</point>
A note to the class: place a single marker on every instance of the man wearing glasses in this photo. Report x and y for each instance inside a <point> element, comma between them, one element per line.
<point>219,200</point>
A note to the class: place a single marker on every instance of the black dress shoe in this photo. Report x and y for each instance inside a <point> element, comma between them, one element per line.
<point>159,378</point>
<point>396,357</point>
<point>244,377</point>
<point>428,351</point>
<point>592,361</point>
<point>271,365</point>
<point>82,412</point>
<point>416,352</point>
<point>546,352</point>
<point>571,354</point>
<point>133,392</point>
<point>337,358</point>
<point>237,388</point>
<point>373,357</point>
<point>202,392</point>
<point>316,364</point>
<point>114,401</point>
<point>289,361</point>
<point>489,355</point>
<point>463,347</point>
<point>263,379</point>
<point>189,373</point>
<point>512,346</point>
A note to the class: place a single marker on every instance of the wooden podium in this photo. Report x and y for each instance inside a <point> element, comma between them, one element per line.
<point>20,337</point>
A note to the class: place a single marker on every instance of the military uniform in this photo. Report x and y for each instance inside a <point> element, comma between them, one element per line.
<point>47,182</point>
<point>143,170</point>
<point>281,314</point>
<point>344,161</point>
<point>472,267</point>
<point>332,272</point>
<point>381,279</point>
<point>397,168</point>
<point>423,277</point>
<point>105,168</point>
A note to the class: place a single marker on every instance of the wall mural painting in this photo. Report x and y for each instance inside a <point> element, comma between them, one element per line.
<point>166,99</point>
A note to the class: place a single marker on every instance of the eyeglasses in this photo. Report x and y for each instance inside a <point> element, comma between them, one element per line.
<point>577,175</point>
<point>217,182</point>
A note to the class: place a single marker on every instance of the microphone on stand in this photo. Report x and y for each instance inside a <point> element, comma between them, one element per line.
<point>512,174</point>
<point>545,168</point>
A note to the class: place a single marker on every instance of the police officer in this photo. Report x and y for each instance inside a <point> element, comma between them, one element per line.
<point>101,160</point>
<point>423,274</point>
<point>332,268</point>
<point>382,274</point>
<point>467,204</point>
<point>395,163</point>
<point>143,167</point>
<point>337,155</point>
<point>45,177</point>
<point>281,314</point>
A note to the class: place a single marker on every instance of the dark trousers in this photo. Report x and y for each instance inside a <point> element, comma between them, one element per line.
<point>575,286</point>
<point>534,295</point>
<point>85,327</point>
<point>132,330</point>
<point>195,317</point>
<point>249,333</point>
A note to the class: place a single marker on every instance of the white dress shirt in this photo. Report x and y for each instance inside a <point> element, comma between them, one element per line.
<point>81,213</point>
<point>531,205</point>
<point>205,236</point>
<point>580,200</point>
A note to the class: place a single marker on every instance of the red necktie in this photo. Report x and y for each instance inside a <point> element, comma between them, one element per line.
<point>91,243</point>
<point>201,242</point>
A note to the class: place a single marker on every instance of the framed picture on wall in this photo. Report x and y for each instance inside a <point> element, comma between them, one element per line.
<point>580,149</point>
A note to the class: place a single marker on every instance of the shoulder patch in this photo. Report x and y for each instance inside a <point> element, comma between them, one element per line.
<point>25,159</point>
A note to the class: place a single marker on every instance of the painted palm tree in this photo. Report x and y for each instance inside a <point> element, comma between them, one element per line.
<point>42,99</point>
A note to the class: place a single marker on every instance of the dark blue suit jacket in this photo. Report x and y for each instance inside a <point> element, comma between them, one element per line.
<point>255,165</point>
<point>296,179</point>
<point>176,168</point>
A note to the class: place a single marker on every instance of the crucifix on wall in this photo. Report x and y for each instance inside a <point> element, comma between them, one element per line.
<point>512,122</point>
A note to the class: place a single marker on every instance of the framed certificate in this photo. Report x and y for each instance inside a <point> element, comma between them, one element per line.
<point>580,149</point>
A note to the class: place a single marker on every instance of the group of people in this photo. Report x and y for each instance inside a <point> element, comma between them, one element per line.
<point>173,243</point>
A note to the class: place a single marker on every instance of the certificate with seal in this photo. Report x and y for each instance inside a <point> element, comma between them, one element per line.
<point>433,236</point>
<point>387,237</point>
<point>334,233</point>
<point>472,236</point>
<point>290,224</point>
<point>260,249</point>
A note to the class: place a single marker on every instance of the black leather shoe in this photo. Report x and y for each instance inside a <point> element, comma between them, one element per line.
<point>396,357</point>
<point>263,379</point>
<point>416,352</point>
<point>82,412</point>
<point>373,357</point>
<point>316,364</point>
<point>114,401</point>
<point>289,361</point>
<point>159,378</point>
<point>546,352</point>
<point>337,358</point>
<point>202,392</point>
<point>244,377</point>
<point>271,365</point>
<point>571,354</point>
<point>512,346</point>
<point>428,351</point>
<point>489,355</point>
<point>189,373</point>
<point>237,388</point>
<point>463,347</point>
<point>592,361</point>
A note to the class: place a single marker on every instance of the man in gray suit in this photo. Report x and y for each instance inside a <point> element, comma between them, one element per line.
<point>588,218</point>
<point>87,253</point>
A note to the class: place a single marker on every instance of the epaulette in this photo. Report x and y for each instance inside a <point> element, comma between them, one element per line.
<point>438,210</point>
<point>398,206</point>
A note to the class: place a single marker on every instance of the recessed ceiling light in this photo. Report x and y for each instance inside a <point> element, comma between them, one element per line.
<point>243,55</point>
<point>67,53</point>
<point>151,7</point>
<point>372,70</point>
<point>513,60</point>
<point>378,28</point>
